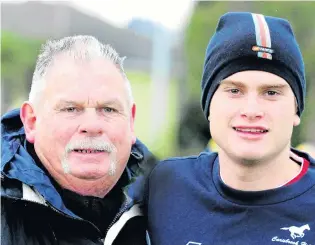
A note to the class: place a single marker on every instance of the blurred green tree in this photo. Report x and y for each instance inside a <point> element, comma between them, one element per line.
<point>18,57</point>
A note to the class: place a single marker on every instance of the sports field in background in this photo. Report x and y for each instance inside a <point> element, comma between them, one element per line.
<point>165,143</point>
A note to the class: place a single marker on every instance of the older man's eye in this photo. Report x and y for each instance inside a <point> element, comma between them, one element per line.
<point>108,109</point>
<point>70,109</point>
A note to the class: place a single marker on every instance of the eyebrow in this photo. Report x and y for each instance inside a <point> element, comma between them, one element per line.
<point>263,86</point>
<point>230,82</point>
<point>62,103</point>
<point>111,102</point>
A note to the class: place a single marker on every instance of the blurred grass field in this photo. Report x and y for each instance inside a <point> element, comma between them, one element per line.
<point>164,145</point>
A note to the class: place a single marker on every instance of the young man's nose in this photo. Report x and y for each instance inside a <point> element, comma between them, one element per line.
<point>252,108</point>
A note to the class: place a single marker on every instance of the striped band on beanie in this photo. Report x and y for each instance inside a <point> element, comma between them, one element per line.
<point>263,38</point>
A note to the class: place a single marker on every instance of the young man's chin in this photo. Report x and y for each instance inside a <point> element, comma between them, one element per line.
<point>248,155</point>
<point>252,157</point>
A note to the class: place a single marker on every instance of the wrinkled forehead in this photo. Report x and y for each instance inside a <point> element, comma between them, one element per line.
<point>89,81</point>
<point>63,64</point>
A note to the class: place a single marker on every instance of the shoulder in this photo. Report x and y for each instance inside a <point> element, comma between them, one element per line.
<point>178,162</point>
<point>141,160</point>
<point>181,165</point>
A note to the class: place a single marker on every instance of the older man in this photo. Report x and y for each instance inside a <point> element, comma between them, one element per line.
<point>256,189</point>
<point>70,152</point>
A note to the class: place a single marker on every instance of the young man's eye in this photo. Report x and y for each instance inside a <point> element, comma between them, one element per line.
<point>272,93</point>
<point>234,91</point>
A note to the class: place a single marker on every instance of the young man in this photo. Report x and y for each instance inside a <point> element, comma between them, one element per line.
<point>70,154</point>
<point>257,189</point>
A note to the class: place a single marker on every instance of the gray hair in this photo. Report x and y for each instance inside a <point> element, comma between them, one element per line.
<point>78,47</point>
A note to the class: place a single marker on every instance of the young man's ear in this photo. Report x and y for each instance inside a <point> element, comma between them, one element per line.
<point>297,120</point>
<point>28,118</point>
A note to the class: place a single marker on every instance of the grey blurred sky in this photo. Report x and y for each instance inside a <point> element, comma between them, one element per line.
<point>173,14</point>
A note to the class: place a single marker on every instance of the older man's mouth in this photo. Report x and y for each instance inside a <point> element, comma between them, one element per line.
<point>88,155</point>
<point>88,151</point>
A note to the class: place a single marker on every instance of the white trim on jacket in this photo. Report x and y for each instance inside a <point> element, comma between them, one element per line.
<point>30,195</point>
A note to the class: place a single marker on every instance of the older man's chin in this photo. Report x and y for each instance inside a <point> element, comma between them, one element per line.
<point>89,171</point>
<point>91,183</point>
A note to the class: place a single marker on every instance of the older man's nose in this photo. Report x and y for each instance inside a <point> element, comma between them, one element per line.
<point>92,123</point>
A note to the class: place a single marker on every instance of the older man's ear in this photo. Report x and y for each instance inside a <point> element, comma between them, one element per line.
<point>132,123</point>
<point>28,118</point>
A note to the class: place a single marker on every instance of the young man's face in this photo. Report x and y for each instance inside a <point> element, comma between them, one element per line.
<point>252,115</point>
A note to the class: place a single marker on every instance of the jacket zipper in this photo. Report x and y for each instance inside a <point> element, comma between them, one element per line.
<point>63,214</point>
<point>73,218</point>
<point>125,207</point>
<point>117,216</point>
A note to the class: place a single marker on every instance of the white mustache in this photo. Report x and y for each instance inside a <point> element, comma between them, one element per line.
<point>91,143</point>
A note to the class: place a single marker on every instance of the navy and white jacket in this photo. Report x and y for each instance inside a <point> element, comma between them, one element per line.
<point>189,204</point>
<point>33,212</point>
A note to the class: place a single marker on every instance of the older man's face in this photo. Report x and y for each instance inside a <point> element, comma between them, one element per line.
<point>84,127</point>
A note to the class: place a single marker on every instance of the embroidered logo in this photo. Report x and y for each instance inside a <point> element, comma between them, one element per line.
<point>263,49</point>
<point>297,231</point>
<point>194,243</point>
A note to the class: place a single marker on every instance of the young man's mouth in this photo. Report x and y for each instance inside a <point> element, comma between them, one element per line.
<point>251,132</point>
<point>251,129</point>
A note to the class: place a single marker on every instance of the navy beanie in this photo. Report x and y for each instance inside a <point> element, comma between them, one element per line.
<point>246,41</point>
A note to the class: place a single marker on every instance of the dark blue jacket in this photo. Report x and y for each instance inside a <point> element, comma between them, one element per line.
<point>33,212</point>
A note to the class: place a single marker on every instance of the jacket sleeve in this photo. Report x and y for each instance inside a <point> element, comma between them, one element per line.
<point>7,228</point>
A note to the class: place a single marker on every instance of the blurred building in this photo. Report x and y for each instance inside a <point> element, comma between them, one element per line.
<point>46,20</point>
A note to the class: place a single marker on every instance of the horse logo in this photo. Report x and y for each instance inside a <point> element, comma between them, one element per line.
<point>297,231</point>
<point>194,243</point>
